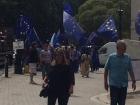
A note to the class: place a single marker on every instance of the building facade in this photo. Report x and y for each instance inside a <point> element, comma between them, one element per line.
<point>135,7</point>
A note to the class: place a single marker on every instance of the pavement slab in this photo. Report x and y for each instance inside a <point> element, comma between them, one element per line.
<point>16,90</point>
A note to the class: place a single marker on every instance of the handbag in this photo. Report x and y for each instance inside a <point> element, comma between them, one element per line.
<point>44,91</point>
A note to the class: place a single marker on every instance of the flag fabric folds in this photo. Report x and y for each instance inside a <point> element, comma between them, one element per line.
<point>55,42</point>
<point>108,29</point>
<point>58,39</point>
<point>92,39</point>
<point>23,27</point>
<point>137,23</point>
<point>32,37</point>
<point>68,9</point>
<point>25,31</point>
<point>72,28</point>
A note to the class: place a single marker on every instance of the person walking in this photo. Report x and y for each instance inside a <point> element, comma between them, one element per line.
<point>94,60</point>
<point>118,66</point>
<point>33,60</point>
<point>60,79</point>
<point>45,59</point>
<point>85,65</point>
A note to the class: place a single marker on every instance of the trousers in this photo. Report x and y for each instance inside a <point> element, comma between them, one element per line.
<point>62,99</point>
<point>118,95</point>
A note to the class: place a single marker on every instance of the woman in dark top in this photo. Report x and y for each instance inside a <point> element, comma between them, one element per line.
<point>60,80</point>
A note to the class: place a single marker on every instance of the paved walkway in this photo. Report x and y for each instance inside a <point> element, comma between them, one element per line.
<point>16,90</point>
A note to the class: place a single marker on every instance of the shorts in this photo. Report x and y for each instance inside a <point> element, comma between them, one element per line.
<point>33,68</point>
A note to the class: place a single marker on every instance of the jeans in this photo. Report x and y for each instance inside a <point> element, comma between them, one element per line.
<point>118,95</point>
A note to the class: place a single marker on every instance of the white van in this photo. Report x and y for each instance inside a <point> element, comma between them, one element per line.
<point>133,49</point>
<point>105,51</point>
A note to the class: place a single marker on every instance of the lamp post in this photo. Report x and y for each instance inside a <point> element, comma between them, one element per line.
<point>120,13</point>
<point>6,55</point>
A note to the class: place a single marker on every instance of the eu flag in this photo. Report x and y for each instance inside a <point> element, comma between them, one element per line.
<point>55,40</point>
<point>25,31</point>
<point>58,39</point>
<point>52,41</point>
<point>72,28</point>
<point>32,37</point>
<point>68,9</point>
<point>108,29</point>
<point>137,23</point>
<point>23,26</point>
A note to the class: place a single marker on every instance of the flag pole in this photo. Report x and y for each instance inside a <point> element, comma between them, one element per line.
<point>37,36</point>
<point>120,12</point>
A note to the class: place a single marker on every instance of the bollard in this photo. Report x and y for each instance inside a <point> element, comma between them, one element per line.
<point>6,66</point>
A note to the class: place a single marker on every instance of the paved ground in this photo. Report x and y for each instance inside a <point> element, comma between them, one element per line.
<point>1,71</point>
<point>16,90</point>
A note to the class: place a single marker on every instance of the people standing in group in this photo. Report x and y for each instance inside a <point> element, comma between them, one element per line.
<point>45,59</point>
<point>33,59</point>
<point>118,66</point>
<point>60,79</point>
<point>85,65</point>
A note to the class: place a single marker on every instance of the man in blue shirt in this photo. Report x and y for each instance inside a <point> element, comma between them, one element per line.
<point>118,66</point>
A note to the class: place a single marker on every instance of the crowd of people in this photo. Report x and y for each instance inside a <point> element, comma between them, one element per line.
<point>58,66</point>
<point>78,61</point>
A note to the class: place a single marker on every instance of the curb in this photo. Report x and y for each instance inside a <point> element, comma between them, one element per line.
<point>103,99</point>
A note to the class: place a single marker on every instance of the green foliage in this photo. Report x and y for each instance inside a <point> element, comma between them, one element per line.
<point>8,10</point>
<point>90,19</point>
<point>94,12</point>
<point>47,15</point>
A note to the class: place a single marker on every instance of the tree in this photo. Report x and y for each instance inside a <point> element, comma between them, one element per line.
<point>8,13</point>
<point>94,12</point>
<point>46,15</point>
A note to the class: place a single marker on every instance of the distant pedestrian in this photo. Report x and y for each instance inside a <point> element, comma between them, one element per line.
<point>85,65</point>
<point>95,64</point>
<point>33,60</point>
<point>74,59</point>
<point>118,66</point>
<point>60,79</point>
<point>45,59</point>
